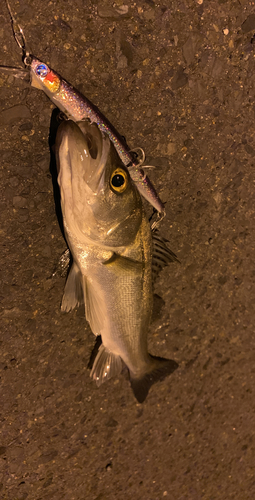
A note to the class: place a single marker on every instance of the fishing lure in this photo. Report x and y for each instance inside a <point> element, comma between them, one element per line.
<point>77,107</point>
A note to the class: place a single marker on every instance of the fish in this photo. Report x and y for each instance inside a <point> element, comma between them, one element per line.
<point>77,107</point>
<point>111,243</point>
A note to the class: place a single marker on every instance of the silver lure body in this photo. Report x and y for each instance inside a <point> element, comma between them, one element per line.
<point>78,107</point>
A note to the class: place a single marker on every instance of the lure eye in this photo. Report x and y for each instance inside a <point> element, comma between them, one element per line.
<point>42,70</point>
<point>119,180</point>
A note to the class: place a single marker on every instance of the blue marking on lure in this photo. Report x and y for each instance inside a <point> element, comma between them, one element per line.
<point>42,70</point>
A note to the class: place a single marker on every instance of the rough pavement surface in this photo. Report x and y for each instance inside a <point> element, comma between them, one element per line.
<point>178,79</point>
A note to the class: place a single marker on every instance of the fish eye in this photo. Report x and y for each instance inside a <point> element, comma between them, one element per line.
<point>119,180</point>
<point>42,70</point>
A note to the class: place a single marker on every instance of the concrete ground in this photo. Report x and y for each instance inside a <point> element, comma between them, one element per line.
<point>177,79</point>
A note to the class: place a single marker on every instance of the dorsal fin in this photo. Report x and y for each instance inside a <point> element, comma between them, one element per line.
<point>161,254</point>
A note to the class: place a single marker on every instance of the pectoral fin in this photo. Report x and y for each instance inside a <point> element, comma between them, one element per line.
<point>105,366</point>
<point>94,309</point>
<point>119,263</point>
<point>73,293</point>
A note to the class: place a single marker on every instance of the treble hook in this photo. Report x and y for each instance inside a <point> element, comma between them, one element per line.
<point>19,37</point>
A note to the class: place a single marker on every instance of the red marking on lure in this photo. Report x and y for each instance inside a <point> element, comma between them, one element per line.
<point>52,81</point>
<point>51,77</point>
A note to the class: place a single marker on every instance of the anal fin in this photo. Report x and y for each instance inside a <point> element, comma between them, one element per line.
<point>161,369</point>
<point>105,366</point>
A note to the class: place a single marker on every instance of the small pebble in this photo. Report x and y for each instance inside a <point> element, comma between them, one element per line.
<point>146,62</point>
<point>122,62</point>
<point>122,9</point>
<point>226,31</point>
<point>106,12</point>
<point>19,202</point>
<point>149,15</point>
<point>171,148</point>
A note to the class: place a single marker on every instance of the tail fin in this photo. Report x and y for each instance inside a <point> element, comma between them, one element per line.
<point>160,370</point>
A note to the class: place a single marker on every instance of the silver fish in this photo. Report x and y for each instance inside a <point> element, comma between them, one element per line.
<point>110,240</point>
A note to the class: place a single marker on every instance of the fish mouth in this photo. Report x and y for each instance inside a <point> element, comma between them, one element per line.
<point>86,151</point>
<point>98,147</point>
